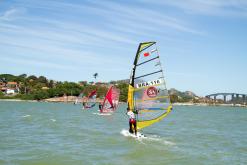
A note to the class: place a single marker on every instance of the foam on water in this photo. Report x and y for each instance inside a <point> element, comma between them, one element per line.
<point>53,120</point>
<point>102,114</point>
<point>32,136</point>
<point>26,116</point>
<point>147,137</point>
<point>127,134</point>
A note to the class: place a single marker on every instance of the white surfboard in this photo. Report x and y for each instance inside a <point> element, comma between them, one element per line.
<point>126,133</point>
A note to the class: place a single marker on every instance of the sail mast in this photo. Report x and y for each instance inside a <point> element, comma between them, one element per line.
<point>147,89</point>
<point>141,47</point>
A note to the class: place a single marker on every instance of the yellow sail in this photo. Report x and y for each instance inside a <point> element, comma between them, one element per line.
<point>143,124</point>
<point>147,92</point>
<point>130,98</point>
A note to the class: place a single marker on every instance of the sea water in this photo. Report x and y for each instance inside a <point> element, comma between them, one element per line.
<point>39,133</point>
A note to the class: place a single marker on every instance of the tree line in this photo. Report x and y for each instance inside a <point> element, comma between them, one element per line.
<point>39,88</point>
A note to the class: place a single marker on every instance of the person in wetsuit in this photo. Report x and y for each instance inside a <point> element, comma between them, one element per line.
<point>100,106</point>
<point>132,120</point>
<point>83,105</point>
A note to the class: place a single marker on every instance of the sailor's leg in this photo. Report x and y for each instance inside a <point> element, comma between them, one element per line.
<point>135,128</point>
<point>130,127</point>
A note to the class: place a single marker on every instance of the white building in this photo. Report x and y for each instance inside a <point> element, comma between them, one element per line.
<point>10,91</point>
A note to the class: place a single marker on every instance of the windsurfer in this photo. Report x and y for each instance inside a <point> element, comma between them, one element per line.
<point>100,106</point>
<point>132,121</point>
<point>83,105</point>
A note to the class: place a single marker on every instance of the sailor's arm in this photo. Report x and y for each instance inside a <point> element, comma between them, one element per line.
<point>135,111</point>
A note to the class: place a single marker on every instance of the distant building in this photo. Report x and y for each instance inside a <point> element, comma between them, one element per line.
<point>11,88</point>
<point>12,85</point>
<point>3,89</point>
<point>10,91</point>
<point>3,86</point>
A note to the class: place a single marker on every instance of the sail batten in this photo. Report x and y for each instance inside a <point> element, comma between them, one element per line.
<point>148,74</point>
<point>147,89</point>
<point>151,99</point>
<point>147,61</point>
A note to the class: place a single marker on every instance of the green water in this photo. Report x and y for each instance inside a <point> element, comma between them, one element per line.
<point>58,133</point>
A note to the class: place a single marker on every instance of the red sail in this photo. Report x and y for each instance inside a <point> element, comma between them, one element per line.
<point>111,100</point>
<point>91,100</point>
<point>92,94</point>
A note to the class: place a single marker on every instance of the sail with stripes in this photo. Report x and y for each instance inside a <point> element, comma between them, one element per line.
<point>79,98</point>
<point>111,100</point>
<point>147,92</point>
<point>90,100</point>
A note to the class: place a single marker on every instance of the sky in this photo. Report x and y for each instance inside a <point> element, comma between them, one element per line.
<point>202,44</point>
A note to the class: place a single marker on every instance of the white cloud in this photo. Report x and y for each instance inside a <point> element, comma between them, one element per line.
<point>110,13</point>
<point>36,63</point>
<point>63,31</point>
<point>11,14</point>
<point>8,14</point>
<point>236,8</point>
<point>143,18</point>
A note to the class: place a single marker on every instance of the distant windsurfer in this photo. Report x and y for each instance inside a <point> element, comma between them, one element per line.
<point>100,107</point>
<point>83,105</point>
<point>132,121</point>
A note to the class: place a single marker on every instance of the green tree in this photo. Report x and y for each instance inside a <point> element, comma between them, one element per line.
<point>42,79</point>
<point>7,77</point>
<point>32,77</point>
<point>173,98</point>
<point>51,84</point>
<point>23,76</point>
<point>40,95</point>
<point>1,94</point>
<point>101,91</point>
<point>123,91</point>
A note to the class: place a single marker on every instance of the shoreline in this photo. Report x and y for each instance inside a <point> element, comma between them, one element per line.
<point>206,104</point>
<point>18,100</point>
<point>58,100</point>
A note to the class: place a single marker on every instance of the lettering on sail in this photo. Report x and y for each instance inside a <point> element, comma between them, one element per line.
<point>149,83</point>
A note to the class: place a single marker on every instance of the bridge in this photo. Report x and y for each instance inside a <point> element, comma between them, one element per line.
<point>231,98</point>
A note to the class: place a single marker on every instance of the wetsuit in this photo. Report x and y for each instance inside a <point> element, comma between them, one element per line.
<point>132,121</point>
<point>100,106</point>
<point>83,105</point>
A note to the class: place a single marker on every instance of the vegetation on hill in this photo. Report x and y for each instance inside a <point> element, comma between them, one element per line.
<point>178,96</point>
<point>38,88</point>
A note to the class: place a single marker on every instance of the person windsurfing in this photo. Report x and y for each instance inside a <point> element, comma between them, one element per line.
<point>132,120</point>
<point>100,107</point>
<point>83,105</point>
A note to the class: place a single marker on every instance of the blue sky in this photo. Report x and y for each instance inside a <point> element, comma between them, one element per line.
<point>202,44</point>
